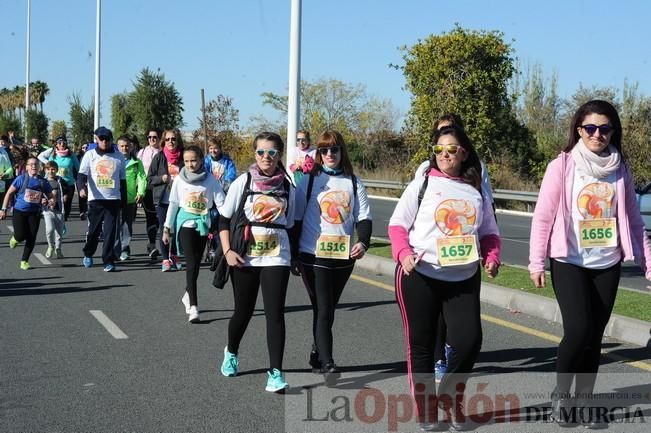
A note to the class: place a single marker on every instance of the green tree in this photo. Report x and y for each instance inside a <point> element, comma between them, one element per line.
<point>8,122</point>
<point>222,120</point>
<point>59,128</point>
<point>635,115</point>
<point>466,72</point>
<point>154,102</point>
<point>121,119</point>
<point>82,120</point>
<point>36,125</point>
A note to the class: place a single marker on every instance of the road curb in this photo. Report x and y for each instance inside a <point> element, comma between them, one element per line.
<point>622,328</point>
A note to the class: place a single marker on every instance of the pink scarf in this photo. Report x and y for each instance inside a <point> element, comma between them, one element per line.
<point>64,152</point>
<point>266,183</point>
<point>173,156</point>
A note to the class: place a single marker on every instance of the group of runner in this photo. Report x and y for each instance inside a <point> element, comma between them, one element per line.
<point>443,232</point>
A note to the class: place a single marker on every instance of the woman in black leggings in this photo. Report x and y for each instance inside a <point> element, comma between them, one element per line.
<point>32,191</point>
<point>265,197</point>
<point>330,203</point>
<point>438,228</point>
<point>586,221</point>
<point>192,195</point>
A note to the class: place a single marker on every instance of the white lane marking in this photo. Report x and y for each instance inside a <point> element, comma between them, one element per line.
<point>515,240</point>
<point>379,197</point>
<point>107,323</point>
<point>41,258</point>
<point>514,213</point>
<point>11,228</point>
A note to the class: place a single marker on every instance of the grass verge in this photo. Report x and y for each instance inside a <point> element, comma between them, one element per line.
<point>628,303</point>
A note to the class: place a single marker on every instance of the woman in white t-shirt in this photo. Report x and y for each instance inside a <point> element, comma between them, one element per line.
<point>187,221</point>
<point>441,231</point>
<point>586,222</point>
<point>330,203</point>
<point>269,208</point>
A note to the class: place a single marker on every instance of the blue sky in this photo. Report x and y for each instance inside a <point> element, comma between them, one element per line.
<point>239,48</point>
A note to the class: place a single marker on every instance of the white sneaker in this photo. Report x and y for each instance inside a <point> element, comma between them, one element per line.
<point>193,315</point>
<point>186,301</point>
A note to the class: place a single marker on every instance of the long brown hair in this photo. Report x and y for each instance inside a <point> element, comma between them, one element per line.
<point>328,139</point>
<point>596,106</point>
<point>471,167</point>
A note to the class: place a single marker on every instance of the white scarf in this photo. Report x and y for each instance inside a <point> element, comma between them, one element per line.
<point>595,165</point>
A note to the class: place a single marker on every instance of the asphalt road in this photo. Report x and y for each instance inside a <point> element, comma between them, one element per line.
<point>515,231</point>
<point>61,370</point>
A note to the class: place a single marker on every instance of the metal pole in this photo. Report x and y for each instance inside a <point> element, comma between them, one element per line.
<point>205,127</point>
<point>98,31</point>
<point>29,30</point>
<point>293,100</point>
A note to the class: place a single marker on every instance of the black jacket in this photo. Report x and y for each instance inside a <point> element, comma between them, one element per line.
<point>157,170</point>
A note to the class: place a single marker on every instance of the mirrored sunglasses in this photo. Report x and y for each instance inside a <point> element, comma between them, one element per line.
<point>271,152</point>
<point>451,149</point>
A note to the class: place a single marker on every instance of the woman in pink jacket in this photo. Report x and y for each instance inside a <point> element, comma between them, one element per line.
<point>586,221</point>
<point>442,231</point>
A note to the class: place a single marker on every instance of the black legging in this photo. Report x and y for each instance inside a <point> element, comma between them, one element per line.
<point>26,226</point>
<point>586,298</point>
<point>151,219</point>
<point>421,299</point>
<point>273,281</point>
<point>68,195</point>
<point>325,281</point>
<point>192,245</point>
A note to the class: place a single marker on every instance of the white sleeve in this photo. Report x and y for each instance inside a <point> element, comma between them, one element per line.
<point>45,155</point>
<point>406,210</point>
<point>174,192</point>
<point>231,202</point>
<point>362,209</point>
<point>170,217</point>
<point>216,192</point>
<point>84,165</point>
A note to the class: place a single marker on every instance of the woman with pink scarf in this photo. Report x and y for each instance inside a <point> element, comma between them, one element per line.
<point>165,166</point>
<point>68,167</point>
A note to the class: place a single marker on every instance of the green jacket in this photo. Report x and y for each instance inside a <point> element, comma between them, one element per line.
<point>136,179</point>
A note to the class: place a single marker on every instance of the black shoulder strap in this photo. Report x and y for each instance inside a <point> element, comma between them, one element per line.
<point>245,193</point>
<point>423,187</point>
<point>354,179</point>
<point>23,187</point>
<point>310,184</point>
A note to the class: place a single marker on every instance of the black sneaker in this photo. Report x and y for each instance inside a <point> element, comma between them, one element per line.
<point>153,253</point>
<point>330,374</point>
<point>314,361</point>
<point>82,216</point>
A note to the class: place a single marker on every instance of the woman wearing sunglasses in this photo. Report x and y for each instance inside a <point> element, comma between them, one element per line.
<point>269,208</point>
<point>442,230</point>
<point>187,222</point>
<point>164,167</point>
<point>68,168</point>
<point>302,152</point>
<point>330,202</point>
<point>586,221</point>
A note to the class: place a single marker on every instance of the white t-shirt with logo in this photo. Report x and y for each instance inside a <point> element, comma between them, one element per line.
<point>450,208</point>
<point>104,174</point>
<point>331,210</point>
<point>592,199</point>
<point>271,246</point>
<point>194,198</point>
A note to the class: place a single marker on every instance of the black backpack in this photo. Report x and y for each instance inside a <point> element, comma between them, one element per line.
<point>240,235</point>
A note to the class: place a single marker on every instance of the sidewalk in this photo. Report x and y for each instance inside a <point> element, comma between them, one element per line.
<point>619,327</point>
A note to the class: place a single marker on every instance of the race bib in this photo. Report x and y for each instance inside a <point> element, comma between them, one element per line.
<point>32,196</point>
<point>457,250</point>
<point>196,203</point>
<point>333,247</point>
<point>105,182</point>
<point>598,233</point>
<point>264,246</point>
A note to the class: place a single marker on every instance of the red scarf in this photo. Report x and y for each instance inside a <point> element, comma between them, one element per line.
<point>173,156</point>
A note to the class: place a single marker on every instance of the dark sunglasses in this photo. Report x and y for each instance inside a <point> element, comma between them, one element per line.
<point>102,138</point>
<point>271,152</point>
<point>304,140</point>
<point>333,149</point>
<point>591,129</point>
<point>451,149</point>
<point>170,139</point>
<point>152,137</point>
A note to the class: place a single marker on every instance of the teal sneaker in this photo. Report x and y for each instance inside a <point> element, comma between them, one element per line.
<point>276,381</point>
<point>13,243</point>
<point>229,366</point>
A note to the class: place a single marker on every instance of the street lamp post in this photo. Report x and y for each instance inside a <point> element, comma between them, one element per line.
<point>293,99</point>
<point>97,61</point>
<point>29,30</point>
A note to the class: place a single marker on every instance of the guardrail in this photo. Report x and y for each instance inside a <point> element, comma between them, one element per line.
<point>528,197</point>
